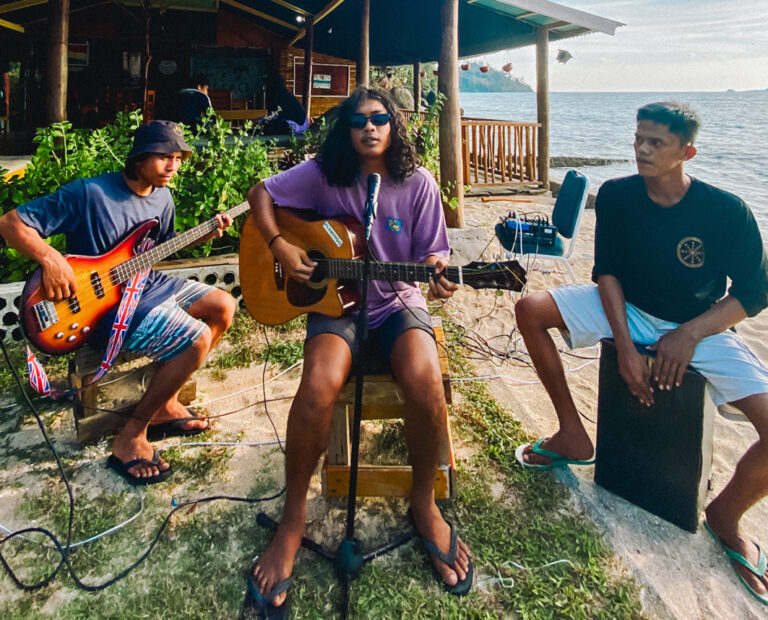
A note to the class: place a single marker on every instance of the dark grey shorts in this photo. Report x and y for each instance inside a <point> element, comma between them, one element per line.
<point>380,340</point>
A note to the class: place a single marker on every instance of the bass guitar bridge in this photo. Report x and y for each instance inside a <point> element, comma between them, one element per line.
<point>45,314</point>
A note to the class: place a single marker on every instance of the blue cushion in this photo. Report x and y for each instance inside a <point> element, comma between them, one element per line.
<point>566,209</point>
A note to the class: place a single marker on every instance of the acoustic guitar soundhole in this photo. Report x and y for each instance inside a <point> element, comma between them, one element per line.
<point>303,295</point>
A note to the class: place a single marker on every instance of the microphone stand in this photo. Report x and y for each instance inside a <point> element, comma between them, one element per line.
<point>349,558</point>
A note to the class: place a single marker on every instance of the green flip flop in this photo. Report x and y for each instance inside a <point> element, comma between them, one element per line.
<point>558,460</point>
<point>758,571</point>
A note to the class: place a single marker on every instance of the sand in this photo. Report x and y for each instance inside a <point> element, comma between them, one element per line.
<point>683,575</point>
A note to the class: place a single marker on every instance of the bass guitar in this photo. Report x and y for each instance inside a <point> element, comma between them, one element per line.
<point>60,327</point>
<point>337,246</point>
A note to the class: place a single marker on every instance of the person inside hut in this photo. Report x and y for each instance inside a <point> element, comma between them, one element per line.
<point>666,245</point>
<point>176,322</point>
<point>285,114</point>
<point>368,137</point>
<point>192,103</point>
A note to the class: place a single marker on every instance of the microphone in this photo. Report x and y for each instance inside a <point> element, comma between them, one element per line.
<point>372,203</point>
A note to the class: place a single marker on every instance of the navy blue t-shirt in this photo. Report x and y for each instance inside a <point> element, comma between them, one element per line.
<point>95,215</point>
<point>675,262</point>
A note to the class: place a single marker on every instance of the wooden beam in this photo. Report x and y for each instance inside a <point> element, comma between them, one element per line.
<point>11,26</point>
<point>269,18</point>
<point>58,40</point>
<point>416,86</point>
<point>306,98</point>
<point>22,4</point>
<point>542,103</point>
<point>328,8</point>
<point>363,62</point>
<point>295,9</point>
<point>451,173</point>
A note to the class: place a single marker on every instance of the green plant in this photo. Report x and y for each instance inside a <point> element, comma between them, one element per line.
<point>217,176</point>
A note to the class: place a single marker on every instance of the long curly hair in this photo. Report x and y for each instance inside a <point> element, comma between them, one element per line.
<point>337,156</point>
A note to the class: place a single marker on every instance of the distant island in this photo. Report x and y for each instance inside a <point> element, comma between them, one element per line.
<point>495,81</point>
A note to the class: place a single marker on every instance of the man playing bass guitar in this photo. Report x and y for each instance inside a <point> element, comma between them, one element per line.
<point>176,322</point>
<point>368,137</point>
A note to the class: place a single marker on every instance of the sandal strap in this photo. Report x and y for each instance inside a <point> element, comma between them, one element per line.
<point>544,452</point>
<point>155,460</point>
<point>266,599</point>
<point>762,561</point>
<point>448,558</point>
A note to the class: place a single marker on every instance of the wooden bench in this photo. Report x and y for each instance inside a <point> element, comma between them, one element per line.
<point>383,399</point>
<point>118,391</point>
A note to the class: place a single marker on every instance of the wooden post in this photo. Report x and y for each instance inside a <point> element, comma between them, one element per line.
<point>306,97</point>
<point>416,86</point>
<point>450,114</point>
<point>58,37</point>
<point>363,61</point>
<point>542,103</point>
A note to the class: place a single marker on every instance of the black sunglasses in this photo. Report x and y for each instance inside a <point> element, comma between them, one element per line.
<point>358,121</point>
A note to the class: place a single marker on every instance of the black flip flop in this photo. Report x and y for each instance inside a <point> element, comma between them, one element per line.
<point>462,587</point>
<point>260,606</point>
<point>122,468</point>
<point>175,428</point>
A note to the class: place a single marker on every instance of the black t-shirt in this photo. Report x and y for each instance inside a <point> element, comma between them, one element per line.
<point>191,104</point>
<point>674,262</point>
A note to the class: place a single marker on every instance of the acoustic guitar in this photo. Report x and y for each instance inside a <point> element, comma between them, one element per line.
<point>60,327</point>
<point>337,246</point>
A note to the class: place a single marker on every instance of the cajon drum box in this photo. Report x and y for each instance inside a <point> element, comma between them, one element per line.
<point>657,457</point>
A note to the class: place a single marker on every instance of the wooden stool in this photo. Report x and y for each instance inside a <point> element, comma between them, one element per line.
<point>117,391</point>
<point>657,457</point>
<point>383,399</point>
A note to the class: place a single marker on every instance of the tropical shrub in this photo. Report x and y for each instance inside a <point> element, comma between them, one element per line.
<point>215,178</point>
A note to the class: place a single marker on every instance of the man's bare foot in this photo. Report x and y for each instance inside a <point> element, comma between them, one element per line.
<point>730,537</point>
<point>130,448</point>
<point>573,445</point>
<point>431,526</point>
<point>276,563</point>
<point>174,410</point>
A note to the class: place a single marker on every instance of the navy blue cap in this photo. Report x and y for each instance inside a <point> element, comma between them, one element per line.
<point>160,137</point>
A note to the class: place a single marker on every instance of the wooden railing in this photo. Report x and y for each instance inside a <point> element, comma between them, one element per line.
<point>496,152</point>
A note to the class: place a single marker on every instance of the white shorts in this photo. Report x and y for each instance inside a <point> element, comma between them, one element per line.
<point>732,371</point>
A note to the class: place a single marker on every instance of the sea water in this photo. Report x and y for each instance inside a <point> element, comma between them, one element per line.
<point>732,144</point>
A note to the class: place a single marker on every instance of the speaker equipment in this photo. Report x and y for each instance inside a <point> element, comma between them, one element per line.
<point>535,232</point>
<point>656,457</point>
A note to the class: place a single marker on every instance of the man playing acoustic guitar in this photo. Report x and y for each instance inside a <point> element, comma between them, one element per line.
<point>176,322</point>
<point>368,137</point>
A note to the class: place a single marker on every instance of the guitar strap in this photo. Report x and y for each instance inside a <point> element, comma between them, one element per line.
<point>38,378</point>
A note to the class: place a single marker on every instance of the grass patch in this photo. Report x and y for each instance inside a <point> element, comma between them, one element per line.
<point>246,344</point>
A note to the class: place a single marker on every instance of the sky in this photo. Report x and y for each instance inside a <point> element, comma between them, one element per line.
<point>666,45</point>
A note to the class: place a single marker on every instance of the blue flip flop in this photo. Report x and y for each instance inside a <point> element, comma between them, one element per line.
<point>261,604</point>
<point>558,460</point>
<point>758,571</point>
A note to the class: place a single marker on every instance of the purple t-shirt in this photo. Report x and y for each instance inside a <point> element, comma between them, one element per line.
<point>409,224</point>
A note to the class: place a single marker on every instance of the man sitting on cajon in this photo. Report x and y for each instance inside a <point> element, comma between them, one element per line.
<point>665,245</point>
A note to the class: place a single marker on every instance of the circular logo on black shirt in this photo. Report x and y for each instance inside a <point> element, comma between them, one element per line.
<point>690,252</point>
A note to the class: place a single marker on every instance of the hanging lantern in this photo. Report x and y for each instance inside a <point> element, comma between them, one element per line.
<point>465,66</point>
<point>507,68</point>
<point>563,56</point>
<point>435,71</point>
<point>422,74</point>
<point>484,68</point>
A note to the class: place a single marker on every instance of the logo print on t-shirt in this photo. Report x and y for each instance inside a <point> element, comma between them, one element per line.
<point>690,252</point>
<point>395,225</point>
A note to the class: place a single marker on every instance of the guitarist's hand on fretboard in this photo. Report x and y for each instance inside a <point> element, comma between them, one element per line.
<point>294,260</point>
<point>442,288</point>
